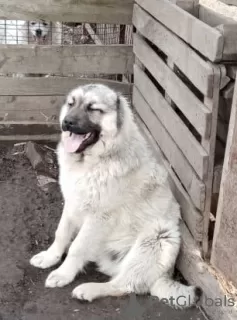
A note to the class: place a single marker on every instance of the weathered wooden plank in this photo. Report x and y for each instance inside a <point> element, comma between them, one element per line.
<point>212,18</point>
<point>31,137</point>
<point>230,2</point>
<point>187,60</point>
<point>190,6</point>
<point>9,128</point>
<point>106,11</point>
<point>53,85</point>
<point>213,284</point>
<point>167,144</point>
<point>64,60</point>
<point>230,35</point>
<point>190,147</point>
<point>23,108</point>
<point>93,35</point>
<point>191,216</point>
<point>36,108</point>
<point>231,71</point>
<point>187,27</point>
<point>187,102</point>
<point>224,244</point>
<point>209,146</point>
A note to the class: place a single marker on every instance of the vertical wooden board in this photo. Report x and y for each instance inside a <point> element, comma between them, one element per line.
<point>177,130</point>
<point>209,146</point>
<point>190,215</point>
<point>200,36</point>
<point>196,271</point>
<point>187,102</point>
<point>187,60</point>
<point>225,242</point>
<point>230,35</point>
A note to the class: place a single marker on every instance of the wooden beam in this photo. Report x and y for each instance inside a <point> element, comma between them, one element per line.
<point>64,60</point>
<point>197,272</point>
<point>31,137</point>
<point>213,18</point>
<point>106,11</point>
<point>30,108</point>
<point>224,243</point>
<point>14,128</point>
<point>229,34</point>
<point>58,86</point>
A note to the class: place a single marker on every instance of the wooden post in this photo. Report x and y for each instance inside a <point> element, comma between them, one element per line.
<point>224,247</point>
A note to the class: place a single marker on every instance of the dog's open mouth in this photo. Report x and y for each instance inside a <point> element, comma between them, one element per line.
<point>76,143</point>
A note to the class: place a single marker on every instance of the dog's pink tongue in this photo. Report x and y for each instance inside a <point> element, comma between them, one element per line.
<point>73,142</point>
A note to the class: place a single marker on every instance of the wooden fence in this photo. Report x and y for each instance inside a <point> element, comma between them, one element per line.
<point>180,83</point>
<point>31,101</point>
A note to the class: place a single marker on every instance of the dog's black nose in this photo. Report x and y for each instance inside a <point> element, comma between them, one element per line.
<point>38,32</point>
<point>68,123</point>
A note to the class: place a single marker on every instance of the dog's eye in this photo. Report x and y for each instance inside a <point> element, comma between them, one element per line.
<point>45,24</point>
<point>90,109</point>
<point>32,23</point>
<point>71,102</point>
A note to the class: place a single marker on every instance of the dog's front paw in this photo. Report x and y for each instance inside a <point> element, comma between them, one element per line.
<point>85,291</point>
<point>57,279</point>
<point>44,259</point>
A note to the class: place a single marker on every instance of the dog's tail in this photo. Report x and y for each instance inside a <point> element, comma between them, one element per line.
<point>176,294</point>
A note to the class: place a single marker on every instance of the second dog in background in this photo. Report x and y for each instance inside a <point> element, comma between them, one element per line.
<point>42,32</point>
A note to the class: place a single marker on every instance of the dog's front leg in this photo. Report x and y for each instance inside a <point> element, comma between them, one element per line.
<point>63,236</point>
<point>83,249</point>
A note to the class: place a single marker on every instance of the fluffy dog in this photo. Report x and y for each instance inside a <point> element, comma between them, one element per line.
<point>119,211</point>
<point>30,32</point>
<point>42,32</point>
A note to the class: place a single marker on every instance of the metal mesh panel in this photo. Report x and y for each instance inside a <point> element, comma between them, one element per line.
<point>40,32</point>
<point>48,33</point>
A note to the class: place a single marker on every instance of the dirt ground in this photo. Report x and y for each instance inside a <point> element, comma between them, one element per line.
<point>28,218</point>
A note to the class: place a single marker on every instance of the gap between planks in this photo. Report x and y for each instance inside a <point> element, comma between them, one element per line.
<point>178,132</point>
<point>187,60</point>
<point>195,111</point>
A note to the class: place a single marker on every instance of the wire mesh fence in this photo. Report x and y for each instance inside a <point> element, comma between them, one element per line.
<point>50,33</point>
<point>41,32</point>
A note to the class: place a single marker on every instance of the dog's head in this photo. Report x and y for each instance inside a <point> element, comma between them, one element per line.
<point>39,30</point>
<point>92,116</point>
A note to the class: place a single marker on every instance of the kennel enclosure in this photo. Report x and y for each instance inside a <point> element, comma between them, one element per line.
<point>183,61</point>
